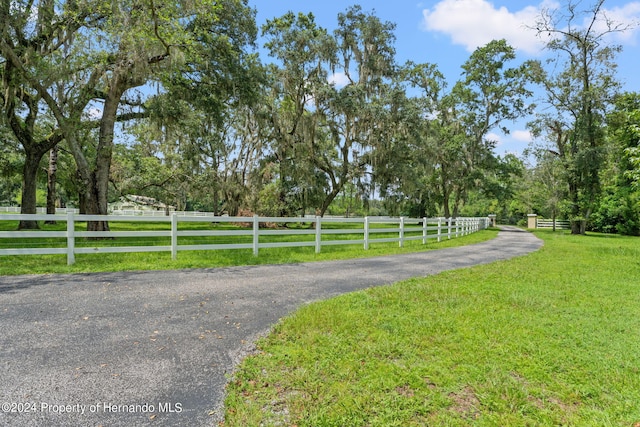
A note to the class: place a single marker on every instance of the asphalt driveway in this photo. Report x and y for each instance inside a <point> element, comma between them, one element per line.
<point>157,348</point>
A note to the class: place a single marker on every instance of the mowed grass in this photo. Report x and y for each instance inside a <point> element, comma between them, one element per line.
<point>103,262</point>
<point>552,338</point>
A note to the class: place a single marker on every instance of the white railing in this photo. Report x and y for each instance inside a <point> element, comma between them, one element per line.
<point>246,237</point>
<point>560,224</point>
<point>126,212</point>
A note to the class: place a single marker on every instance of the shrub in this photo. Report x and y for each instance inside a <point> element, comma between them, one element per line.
<point>617,213</point>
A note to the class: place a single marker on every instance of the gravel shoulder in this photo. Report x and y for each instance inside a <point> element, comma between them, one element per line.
<point>157,347</point>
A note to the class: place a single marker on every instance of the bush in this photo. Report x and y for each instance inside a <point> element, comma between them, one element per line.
<point>617,213</point>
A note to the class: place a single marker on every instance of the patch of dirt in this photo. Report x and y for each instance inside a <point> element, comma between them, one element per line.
<point>465,403</point>
<point>405,391</point>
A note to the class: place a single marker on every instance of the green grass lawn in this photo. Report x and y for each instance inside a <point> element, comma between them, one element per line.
<point>101,262</point>
<point>552,338</point>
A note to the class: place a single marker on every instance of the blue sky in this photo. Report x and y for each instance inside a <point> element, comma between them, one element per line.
<point>445,32</point>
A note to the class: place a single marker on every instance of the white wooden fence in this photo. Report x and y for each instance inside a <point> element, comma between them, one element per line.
<point>407,229</point>
<point>127,212</point>
<point>560,224</point>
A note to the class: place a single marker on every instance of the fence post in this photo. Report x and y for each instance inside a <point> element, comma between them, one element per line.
<point>401,237</point>
<point>318,233</point>
<point>439,230</point>
<point>449,227</point>
<point>256,235</point>
<point>71,240</point>
<point>366,233</point>
<point>424,230</point>
<point>174,236</point>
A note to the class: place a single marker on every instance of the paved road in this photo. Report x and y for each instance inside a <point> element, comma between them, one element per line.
<point>156,348</point>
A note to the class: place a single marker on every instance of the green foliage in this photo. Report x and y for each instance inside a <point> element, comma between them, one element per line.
<point>542,189</point>
<point>87,55</point>
<point>10,165</point>
<point>624,131</point>
<point>322,130</point>
<point>350,202</point>
<point>41,198</point>
<point>269,203</point>
<point>618,213</point>
<point>332,123</point>
<point>444,155</point>
<point>580,90</point>
<point>618,210</point>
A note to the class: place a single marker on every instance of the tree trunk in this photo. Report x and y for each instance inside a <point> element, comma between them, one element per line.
<point>330,197</point>
<point>51,183</point>
<point>97,202</point>
<point>94,206</point>
<point>29,186</point>
<point>576,220</point>
<point>82,198</point>
<point>446,193</point>
<point>578,226</point>
<point>445,203</point>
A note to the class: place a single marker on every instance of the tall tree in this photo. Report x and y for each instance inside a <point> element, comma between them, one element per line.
<point>109,50</point>
<point>489,94</point>
<point>355,116</point>
<point>404,160</point>
<point>323,128</point>
<point>580,93</point>
<point>22,46</point>
<point>457,122</point>
<point>302,51</point>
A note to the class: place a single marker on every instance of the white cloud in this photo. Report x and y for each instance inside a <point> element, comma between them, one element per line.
<point>625,17</point>
<point>474,23</point>
<point>338,79</point>
<point>522,135</point>
<point>94,113</point>
<point>494,137</point>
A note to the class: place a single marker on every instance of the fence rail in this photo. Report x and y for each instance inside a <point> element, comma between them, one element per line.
<point>125,212</point>
<point>247,234</point>
<point>560,224</point>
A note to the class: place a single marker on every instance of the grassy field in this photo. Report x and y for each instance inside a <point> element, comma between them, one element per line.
<point>43,264</point>
<point>549,339</point>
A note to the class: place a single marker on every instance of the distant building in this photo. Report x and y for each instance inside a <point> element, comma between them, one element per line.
<point>139,203</point>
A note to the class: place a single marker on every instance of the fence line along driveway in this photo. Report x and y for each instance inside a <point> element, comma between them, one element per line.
<point>156,348</point>
<point>364,230</point>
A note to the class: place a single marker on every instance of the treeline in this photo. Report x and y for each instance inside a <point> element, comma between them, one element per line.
<point>170,100</point>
